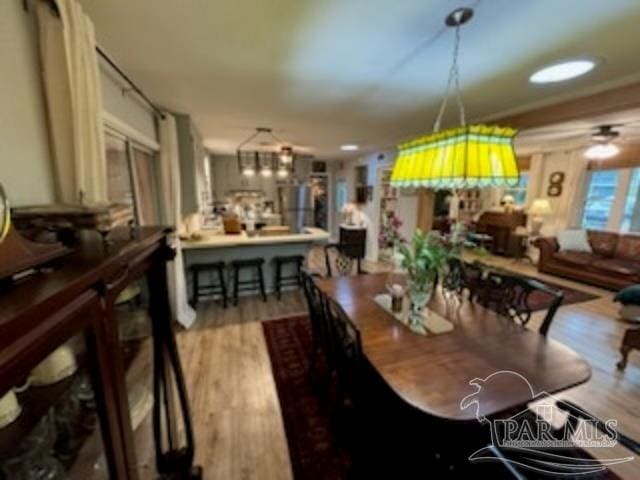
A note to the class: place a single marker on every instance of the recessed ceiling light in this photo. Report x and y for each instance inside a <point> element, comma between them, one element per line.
<point>349,147</point>
<point>561,71</point>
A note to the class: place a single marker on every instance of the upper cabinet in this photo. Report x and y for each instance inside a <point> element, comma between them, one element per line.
<point>226,177</point>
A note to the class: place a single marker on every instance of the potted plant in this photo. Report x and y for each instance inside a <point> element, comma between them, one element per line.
<point>424,259</point>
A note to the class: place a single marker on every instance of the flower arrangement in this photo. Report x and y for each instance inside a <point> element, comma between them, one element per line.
<point>390,236</point>
<point>424,259</point>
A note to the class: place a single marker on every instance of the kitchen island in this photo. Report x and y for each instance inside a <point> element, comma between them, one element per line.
<point>225,247</point>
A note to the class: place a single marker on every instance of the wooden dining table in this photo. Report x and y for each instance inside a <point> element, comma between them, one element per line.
<point>434,373</point>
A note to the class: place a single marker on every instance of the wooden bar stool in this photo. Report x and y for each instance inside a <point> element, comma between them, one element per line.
<point>287,280</point>
<point>251,264</point>
<point>212,287</point>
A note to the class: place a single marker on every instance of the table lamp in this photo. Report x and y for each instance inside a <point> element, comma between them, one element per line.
<point>538,209</point>
<point>508,201</point>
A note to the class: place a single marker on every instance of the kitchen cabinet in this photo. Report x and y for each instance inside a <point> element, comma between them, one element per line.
<point>227,177</point>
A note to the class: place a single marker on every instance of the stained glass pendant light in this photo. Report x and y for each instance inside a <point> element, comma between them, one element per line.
<point>467,156</point>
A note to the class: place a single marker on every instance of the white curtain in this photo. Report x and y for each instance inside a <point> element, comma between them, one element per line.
<point>576,185</point>
<point>170,178</point>
<point>74,102</point>
<point>536,172</point>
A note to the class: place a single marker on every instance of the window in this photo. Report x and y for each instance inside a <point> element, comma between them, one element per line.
<point>118,172</point>
<point>631,216</point>
<point>601,194</point>
<point>132,177</point>
<point>146,185</point>
<point>519,192</point>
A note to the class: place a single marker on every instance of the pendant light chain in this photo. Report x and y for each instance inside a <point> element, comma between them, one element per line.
<point>454,78</point>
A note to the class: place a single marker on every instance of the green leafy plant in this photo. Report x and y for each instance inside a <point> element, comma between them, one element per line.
<point>424,258</point>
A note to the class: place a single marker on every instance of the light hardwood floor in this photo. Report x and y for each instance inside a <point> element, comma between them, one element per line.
<point>239,430</point>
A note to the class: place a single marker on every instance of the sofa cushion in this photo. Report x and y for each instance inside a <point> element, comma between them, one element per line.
<point>617,266</point>
<point>580,259</point>
<point>574,241</point>
<point>629,295</point>
<point>603,243</point>
<point>628,247</point>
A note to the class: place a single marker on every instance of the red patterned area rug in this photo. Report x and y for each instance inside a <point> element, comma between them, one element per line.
<point>313,448</point>
<point>541,300</point>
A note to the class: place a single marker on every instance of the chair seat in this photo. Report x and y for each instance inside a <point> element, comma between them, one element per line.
<point>288,258</point>
<point>248,262</point>
<point>207,266</point>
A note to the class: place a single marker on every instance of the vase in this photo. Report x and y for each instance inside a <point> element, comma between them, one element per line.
<point>419,293</point>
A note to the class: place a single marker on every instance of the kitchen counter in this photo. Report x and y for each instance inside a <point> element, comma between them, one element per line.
<point>226,248</point>
<point>311,235</point>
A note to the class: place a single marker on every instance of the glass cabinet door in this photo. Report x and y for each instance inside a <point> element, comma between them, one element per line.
<point>50,426</point>
<point>136,347</point>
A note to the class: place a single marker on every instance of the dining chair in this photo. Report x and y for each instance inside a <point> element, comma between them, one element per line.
<point>318,319</point>
<point>345,346</point>
<point>574,415</point>
<point>452,280</point>
<point>461,276</point>
<point>578,413</point>
<point>511,295</point>
<point>339,262</point>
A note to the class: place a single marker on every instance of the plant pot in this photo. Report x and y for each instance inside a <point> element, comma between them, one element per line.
<point>419,294</point>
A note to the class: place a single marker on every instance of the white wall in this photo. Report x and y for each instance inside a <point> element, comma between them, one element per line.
<point>567,207</point>
<point>25,169</point>
<point>407,204</point>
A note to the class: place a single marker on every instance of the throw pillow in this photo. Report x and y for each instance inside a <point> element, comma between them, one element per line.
<point>628,295</point>
<point>574,240</point>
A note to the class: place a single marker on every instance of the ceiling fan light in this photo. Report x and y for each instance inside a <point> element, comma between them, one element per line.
<point>601,151</point>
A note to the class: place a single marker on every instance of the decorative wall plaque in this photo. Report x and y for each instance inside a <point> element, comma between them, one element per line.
<point>556,179</point>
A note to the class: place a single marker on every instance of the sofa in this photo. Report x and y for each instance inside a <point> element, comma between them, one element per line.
<point>614,262</point>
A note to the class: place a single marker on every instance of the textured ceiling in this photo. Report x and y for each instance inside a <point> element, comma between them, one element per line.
<point>323,73</point>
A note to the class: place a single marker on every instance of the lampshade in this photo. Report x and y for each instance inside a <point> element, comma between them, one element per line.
<point>508,199</point>
<point>464,157</point>
<point>540,206</point>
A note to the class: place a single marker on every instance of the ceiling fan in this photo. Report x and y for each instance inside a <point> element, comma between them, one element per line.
<point>601,141</point>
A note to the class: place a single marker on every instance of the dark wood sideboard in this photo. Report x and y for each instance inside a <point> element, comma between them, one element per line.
<point>81,296</point>
<point>501,227</point>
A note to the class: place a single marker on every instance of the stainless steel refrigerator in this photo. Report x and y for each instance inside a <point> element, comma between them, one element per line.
<point>296,207</point>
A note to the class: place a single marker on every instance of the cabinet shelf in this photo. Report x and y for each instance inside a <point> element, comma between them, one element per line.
<point>35,402</point>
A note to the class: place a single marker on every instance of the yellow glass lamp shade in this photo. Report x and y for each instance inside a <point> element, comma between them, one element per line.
<point>463,157</point>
